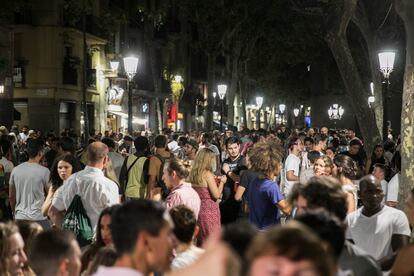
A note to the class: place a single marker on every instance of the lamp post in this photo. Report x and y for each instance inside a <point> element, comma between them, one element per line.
<point>386,60</point>
<point>114,65</point>
<point>371,98</point>
<point>177,89</point>
<point>130,67</point>
<point>222,89</point>
<point>335,112</point>
<point>259,103</point>
<point>296,112</point>
<point>282,108</point>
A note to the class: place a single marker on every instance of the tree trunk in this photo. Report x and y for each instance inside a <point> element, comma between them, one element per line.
<point>155,72</point>
<point>355,90</point>
<point>370,36</point>
<point>243,105</point>
<point>159,117</point>
<point>405,9</point>
<point>151,49</point>
<point>208,111</point>
<point>233,83</point>
<point>376,79</point>
<point>337,17</point>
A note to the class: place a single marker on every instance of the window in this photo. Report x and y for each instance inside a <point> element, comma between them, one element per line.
<point>18,77</point>
<point>70,72</point>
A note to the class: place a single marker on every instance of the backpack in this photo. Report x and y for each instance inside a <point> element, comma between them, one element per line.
<point>5,214</point>
<point>160,183</point>
<point>77,221</point>
<point>143,177</point>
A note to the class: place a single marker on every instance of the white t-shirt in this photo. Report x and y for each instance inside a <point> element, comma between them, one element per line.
<point>292,163</point>
<point>373,234</point>
<point>305,161</point>
<point>212,147</point>
<point>96,191</point>
<point>172,146</point>
<point>392,189</point>
<point>305,175</point>
<point>117,161</point>
<point>384,185</point>
<point>187,257</point>
<point>23,137</point>
<point>30,181</point>
<point>7,165</point>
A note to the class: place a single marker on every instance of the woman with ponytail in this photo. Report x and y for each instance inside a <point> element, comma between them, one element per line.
<point>181,192</point>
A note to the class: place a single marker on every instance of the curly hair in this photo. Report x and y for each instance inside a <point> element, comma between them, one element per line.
<point>346,166</point>
<point>266,158</point>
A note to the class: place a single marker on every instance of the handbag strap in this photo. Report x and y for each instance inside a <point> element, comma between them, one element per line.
<point>129,169</point>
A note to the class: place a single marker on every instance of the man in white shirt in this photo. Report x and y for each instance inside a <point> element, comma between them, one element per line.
<point>116,158</point>
<point>5,151</point>
<point>392,190</point>
<point>24,134</point>
<point>292,165</point>
<point>394,184</point>
<point>185,230</point>
<point>28,186</point>
<point>380,173</point>
<point>379,230</point>
<point>96,191</point>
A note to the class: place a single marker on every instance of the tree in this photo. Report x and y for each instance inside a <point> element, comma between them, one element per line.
<point>405,9</point>
<point>336,17</point>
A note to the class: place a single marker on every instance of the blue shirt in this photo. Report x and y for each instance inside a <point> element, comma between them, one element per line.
<point>263,195</point>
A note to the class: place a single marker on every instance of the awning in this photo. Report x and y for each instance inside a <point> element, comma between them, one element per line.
<point>135,119</point>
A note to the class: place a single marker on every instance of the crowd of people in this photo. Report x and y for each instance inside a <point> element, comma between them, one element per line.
<point>251,202</point>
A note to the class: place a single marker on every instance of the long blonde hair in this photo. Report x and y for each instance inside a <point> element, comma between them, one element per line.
<point>202,163</point>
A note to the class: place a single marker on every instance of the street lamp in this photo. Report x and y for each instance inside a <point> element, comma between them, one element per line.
<point>386,60</point>
<point>296,112</point>
<point>214,98</point>
<point>282,108</point>
<point>178,78</point>
<point>130,67</point>
<point>114,65</point>
<point>259,103</point>
<point>371,98</point>
<point>222,89</point>
<point>335,112</point>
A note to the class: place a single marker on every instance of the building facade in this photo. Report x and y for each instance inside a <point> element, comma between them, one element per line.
<point>48,75</point>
